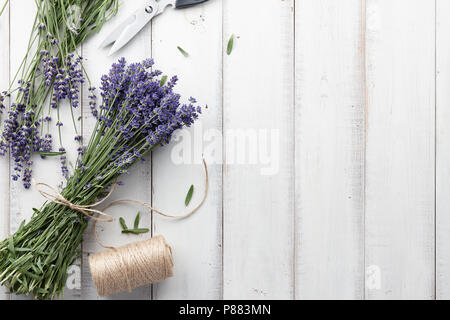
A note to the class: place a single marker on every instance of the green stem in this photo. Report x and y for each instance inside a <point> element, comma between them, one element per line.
<point>4,7</point>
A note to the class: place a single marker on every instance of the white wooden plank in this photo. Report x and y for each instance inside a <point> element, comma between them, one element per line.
<point>400,168</point>
<point>197,241</point>
<point>138,182</point>
<point>22,201</point>
<point>4,161</point>
<point>259,107</point>
<point>442,151</point>
<point>330,113</point>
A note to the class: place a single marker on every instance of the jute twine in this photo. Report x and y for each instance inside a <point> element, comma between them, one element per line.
<point>129,267</point>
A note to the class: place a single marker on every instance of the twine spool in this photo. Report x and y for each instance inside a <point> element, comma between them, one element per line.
<point>131,266</point>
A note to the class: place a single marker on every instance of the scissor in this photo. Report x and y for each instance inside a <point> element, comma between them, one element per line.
<point>127,30</point>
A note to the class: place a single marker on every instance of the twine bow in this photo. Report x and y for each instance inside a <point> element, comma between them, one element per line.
<point>88,211</point>
<point>58,198</point>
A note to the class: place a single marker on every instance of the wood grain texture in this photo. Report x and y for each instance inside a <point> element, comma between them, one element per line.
<point>400,177</point>
<point>4,161</point>
<point>442,150</point>
<point>197,241</point>
<point>258,106</point>
<point>138,182</point>
<point>330,114</point>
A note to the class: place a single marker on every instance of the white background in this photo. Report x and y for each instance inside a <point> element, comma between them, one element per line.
<point>360,93</point>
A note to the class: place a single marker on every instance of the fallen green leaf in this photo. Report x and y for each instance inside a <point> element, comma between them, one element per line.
<point>136,231</point>
<point>189,196</point>
<point>183,52</point>
<point>230,45</point>
<point>123,224</point>
<point>137,220</point>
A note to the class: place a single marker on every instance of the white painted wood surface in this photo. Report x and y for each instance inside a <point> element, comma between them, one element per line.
<point>197,241</point>
<point>442,151</point>
<point>355,96</point>
<point>400,158</point>
<point>330,114</point>
<point>259,101</point>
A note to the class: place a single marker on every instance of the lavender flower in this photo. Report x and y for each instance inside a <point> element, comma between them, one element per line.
<point>20,135</point>
<point>136,116</point>
<point>54,73</point>
<point>93,102</point>
<point>63,161</point>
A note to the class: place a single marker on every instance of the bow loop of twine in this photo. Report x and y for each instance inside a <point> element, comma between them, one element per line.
<point>56,197</point>
<point>87,210</point>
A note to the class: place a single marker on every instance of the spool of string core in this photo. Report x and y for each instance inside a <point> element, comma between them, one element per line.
<point>131,266</point>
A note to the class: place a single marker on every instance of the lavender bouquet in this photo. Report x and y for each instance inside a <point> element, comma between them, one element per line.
<point>48,74</point>
<point>139,112</point>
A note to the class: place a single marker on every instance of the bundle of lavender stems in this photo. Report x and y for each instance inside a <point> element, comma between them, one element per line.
<point>49,74</point>
<point>138,113</point>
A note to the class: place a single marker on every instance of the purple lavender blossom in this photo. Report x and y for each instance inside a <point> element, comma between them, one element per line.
<point>140,113</point>
<point>63,161</point>
<point>93,102</point>
<point>21,136</point>
<point>136,114</point>
<point>2,106</point>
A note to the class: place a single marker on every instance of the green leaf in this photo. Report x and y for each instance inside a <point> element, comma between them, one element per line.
<point>163,81</point>
<point>137,220</point>
<point>11,246</point>
<point>142,230</point>
<point>51,154</point>
<point>183,52</point>
<point>129,232</point>
<point>123,224</point>
<point>80,117</point>
<point>4,7</point>
<point>136,231</point>
<point>22,225</point>
<point>230,45</point>
<point>189,196</point>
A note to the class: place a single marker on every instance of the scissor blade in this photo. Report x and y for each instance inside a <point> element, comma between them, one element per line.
<point>116,32</point>
<point>141,18</point>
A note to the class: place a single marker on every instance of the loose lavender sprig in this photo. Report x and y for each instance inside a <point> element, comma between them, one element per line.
<point>136,115</point>
<point>52,71</point>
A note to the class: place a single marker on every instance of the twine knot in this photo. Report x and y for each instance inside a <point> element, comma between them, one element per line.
<point>56,197</point>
